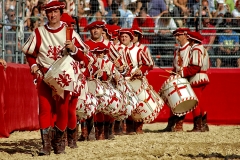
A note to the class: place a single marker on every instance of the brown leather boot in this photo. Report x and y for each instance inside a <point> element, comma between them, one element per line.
<point>197,124</point>
<point>117,128</point>
<point>90,129</point>
<point>111,132</point>
<point>130,127</point>
<point>106,130</point>
<point>171,123</point>
<point>205,127</point>
<point>179,124</point>
<point>46,135</point>
<point>138,127</point>
<point>72,137</point>
<point>84,132</point>
<point>59,142</point>
<point>123,126</point>
<point>99,131</point>
<point>65,139</point>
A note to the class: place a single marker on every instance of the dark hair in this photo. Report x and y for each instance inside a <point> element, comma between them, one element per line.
<point>228,15</point>
<point>117,12</point>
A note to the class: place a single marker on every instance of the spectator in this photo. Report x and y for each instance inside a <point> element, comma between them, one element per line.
<point>156,8</point>
<point>35,14</point>
<point>10,4</point>
<point>96,17</point>
<point>115,18</point>
<point>130,15</point>
<point>229,45</point>
<point>164,26</point>
<point>11,18</point>
<point>236,11</point>
<point>82,20</point>
<point>230,5</point>
<point>180,9</point>
<point>209,35</point>
<point>221,10</point>
<point>164,21</point>
<point>147,22</point>
<point>205,9</point>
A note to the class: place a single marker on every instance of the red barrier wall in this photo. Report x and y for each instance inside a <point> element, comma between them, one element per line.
<point>19,104</point>
<point>18,100</point>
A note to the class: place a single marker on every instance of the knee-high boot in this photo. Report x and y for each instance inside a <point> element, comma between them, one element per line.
<point>117,128</point>
<point>84,132</point>
<point>72,137</point>
<point>99,130</point>
<point>138,127</point>
<point>171,124</point>
<point>197,124</point>
<point>130,127</point>
<point>46,135</point>
<point>179,124</point>
<point>59,142</point>
<point>205,127</point>
<point>111,132</point>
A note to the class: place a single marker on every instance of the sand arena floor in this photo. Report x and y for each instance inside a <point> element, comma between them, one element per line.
<point>222,142</point>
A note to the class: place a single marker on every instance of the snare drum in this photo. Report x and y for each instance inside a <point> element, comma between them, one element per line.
<point>179,95</point>
<point>86,108</point>
<point>62,75</point>
<point>150,106</point>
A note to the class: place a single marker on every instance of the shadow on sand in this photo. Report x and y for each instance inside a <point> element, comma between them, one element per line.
<point>26,147</point>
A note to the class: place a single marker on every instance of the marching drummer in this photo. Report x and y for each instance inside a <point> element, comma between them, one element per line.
<point>96,28</point>
<point>139,67</point>
<point>46,45</point>
<point>198,64</point>
<point>175,123</point>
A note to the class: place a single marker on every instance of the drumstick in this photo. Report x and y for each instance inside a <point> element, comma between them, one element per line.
<point>135,72</point>
<point>163,76</point>
<point>168,70</point>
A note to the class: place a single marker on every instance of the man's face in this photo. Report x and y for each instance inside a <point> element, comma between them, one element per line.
<point>53,16</point>
<point>96,32</point>
<point>11,16</point>
<point>135,38</point>
<point>125,39</point>
<point>143,15</point>
<point>180,37</point>
<point>206,22</point>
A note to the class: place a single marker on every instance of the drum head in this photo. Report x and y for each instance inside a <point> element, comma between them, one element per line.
<point>185,107</point>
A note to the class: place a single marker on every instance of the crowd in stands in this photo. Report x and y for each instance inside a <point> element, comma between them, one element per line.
<point>217,20</point>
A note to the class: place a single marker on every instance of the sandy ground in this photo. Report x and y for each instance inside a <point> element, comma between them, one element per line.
<point>222,142</point>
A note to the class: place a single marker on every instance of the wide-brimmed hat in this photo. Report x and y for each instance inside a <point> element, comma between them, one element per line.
<point>181,31</point>
<point>95,24</point>
<point>127,31</point>
<point>195,36</point>
<point>52,5</point>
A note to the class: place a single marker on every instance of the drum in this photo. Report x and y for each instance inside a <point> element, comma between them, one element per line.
<point>95,87</point>
<point>115,101</point>
<point>62,75</point>
<point>87,108</point>
<point>179,95</point>
<point>149,105</point>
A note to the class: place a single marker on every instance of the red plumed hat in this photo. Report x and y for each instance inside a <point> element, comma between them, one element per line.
<point>137,29</point>
<point>127,31</point>
<point>195,36</point>
<point>52,5</point>
<point>95,24</point>
<point>181,31</point>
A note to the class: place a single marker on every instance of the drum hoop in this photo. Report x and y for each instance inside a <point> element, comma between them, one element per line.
<point>163,90</point>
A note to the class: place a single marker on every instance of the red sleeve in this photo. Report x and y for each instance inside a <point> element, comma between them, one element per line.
<point>144,69</point>
<point>191,70</point>
<point>135,22</point>
<point>80,56</point>
<point>31,59</point>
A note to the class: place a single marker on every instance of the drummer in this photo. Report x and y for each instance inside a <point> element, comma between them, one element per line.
<point>181,54</point>
<point>199,64</point>
<point>139,67</point>
<point>45,45</point>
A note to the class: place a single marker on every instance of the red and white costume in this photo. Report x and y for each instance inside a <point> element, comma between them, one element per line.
<point>144,48</point>
<point>42,48</point>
